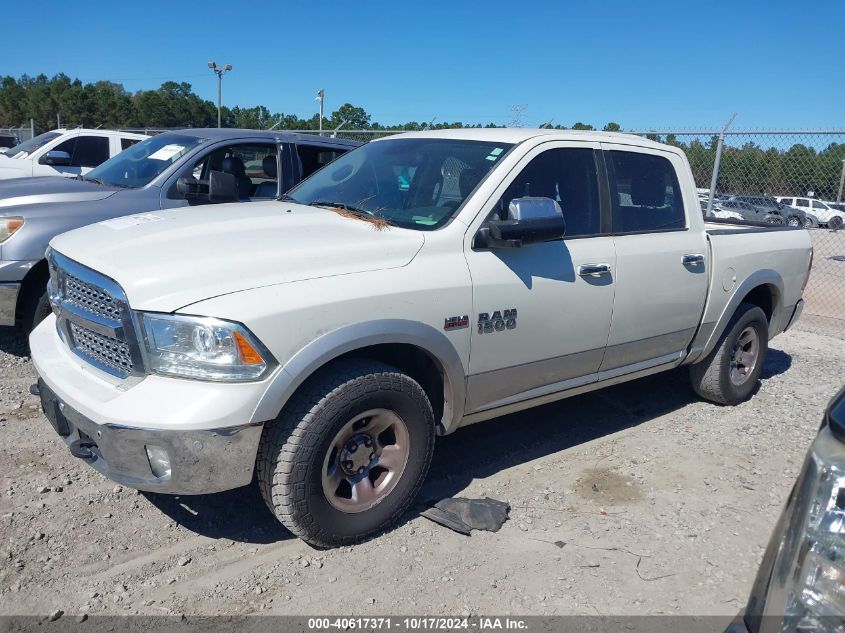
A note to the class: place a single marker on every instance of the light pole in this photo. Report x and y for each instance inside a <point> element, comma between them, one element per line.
<point>219,70</point>
<point>321,95</point>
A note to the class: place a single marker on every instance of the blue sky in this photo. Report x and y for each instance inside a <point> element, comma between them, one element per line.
<point>646,64</point>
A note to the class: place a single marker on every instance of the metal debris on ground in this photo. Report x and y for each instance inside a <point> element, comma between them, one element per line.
<point>465,515</point>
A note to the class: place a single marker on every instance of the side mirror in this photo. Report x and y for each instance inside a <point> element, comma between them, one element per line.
<point>190,187</point>
<point>56,158</point>
<point>529,220</point>
<point>222,187</point>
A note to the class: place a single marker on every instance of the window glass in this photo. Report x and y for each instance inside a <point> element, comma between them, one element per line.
<point>800,202</point>
<point>314,157</point>
<point>138,165</point>
<point>645,193</point>
<point>787,201</point>
<point>126,143</point>
<point>252,165</point>
<point>567,175</point>
<point>24,149</point>
<point>90,151</point>
<point>818,205</point>
<point>416,183</point>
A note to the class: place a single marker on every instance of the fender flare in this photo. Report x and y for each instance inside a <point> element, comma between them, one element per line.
<point>707,338</point>
<point>336,343</point>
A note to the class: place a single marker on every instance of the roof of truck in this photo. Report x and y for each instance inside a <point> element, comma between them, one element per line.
<point>518,135</point>
<point>224,133</point>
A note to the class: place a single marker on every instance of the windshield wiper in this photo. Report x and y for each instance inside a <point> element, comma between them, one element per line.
<point>341,205</point>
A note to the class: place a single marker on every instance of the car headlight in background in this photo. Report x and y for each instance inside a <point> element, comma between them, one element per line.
<point>9,226</point>
<point>202,348</point>
<point>805,589</point>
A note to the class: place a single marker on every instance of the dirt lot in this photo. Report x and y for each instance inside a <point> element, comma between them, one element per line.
<point>664,503</point>
<point>825,293</point>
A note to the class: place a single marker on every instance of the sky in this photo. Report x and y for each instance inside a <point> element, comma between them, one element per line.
<point>646,65</point>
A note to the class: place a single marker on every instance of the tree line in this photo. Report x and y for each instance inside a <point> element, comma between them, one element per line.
<point>48,100</point>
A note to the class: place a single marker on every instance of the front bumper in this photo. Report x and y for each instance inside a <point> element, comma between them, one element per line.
<point>12,274</point>
<point>9,292</point>
<point>206,428</point>
<point>201,462</point>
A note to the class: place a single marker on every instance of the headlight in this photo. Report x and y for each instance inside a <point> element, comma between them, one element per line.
<point>806,591</point>
<point>9,226</point>
<point>202,348</point>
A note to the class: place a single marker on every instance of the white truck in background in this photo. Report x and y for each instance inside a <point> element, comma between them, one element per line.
<point>417,284</point>
<point>63,152</point>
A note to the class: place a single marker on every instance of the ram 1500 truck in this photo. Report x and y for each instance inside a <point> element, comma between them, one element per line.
<point>415,285</point>
<point>174,169</point>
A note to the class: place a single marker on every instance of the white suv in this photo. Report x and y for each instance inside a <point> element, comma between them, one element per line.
<point>825,214</point>
<point>64,152</point>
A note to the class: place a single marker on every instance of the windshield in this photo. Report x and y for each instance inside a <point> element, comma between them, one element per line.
<point>137,166</point>
<point>415,183</point>
<point>26,148</point>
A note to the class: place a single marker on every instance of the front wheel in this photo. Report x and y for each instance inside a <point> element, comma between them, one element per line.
<point>794,220</point>
<point>729,374</point>
<point>348,454</point>
<point>835,223</point>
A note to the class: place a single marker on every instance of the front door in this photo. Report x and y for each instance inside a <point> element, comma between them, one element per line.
<point>541,313</point>
<point>661,264</point>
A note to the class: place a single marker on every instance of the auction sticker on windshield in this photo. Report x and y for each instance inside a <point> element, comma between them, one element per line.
<point>131,220</point>
<point>167,152</point>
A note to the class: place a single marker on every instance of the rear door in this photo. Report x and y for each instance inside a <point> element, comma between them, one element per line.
<point>661,263</point>
<point>540,316</point>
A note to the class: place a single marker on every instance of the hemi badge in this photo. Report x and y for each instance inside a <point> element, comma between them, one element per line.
<point>456,322</point>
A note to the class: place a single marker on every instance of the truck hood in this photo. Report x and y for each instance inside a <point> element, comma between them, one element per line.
<point>167,260</point>
<point>44,189</point>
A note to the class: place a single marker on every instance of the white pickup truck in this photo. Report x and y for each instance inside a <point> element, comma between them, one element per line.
<point>63,152</point>
<point>415,285</point>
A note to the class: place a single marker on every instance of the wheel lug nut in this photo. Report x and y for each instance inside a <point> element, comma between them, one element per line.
<point>360,470</point>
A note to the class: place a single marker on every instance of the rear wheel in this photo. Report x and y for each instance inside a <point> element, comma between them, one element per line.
<point>348,454</point>
<point>810,222</point>
<point>835,223</point>
<point>729,374</point>
<point>794,220</point>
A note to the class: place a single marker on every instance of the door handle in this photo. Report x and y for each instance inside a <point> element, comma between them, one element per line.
<point>692,260</point>
<point>593,270</point>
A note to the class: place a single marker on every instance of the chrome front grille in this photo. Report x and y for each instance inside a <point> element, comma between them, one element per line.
<point>90,298</point>
<point>102,350</point>
<point>93,317</point>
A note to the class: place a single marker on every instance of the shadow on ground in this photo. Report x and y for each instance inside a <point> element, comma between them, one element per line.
<point>474,452</point>
<point>13,342</point>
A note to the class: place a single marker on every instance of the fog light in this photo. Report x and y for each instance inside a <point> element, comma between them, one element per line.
<point>159,461</point>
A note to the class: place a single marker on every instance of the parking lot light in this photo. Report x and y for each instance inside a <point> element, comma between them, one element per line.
<point>219,71</point>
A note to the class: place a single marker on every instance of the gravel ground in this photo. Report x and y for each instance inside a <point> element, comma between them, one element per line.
<point>663,504</point>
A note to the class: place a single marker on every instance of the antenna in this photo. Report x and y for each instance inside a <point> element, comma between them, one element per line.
<point>428,125</point>
<point>547,123</point>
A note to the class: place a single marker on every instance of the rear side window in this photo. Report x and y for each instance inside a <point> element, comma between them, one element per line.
<point>567,175</point>
<point>90,151</point>
<point>645,193</point>
<point>787,201</point>
<point>800,202</point>
<point>126,143</point>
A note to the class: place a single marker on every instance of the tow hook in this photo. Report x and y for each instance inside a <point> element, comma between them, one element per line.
<point>82,449</point>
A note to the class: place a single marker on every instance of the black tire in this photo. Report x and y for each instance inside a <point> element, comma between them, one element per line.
<point>711,375</point>
<point>293,448</point>
<point>835,223</point>
<point>35,309</point>
<point>794,220</point>
<point>810,222</point>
